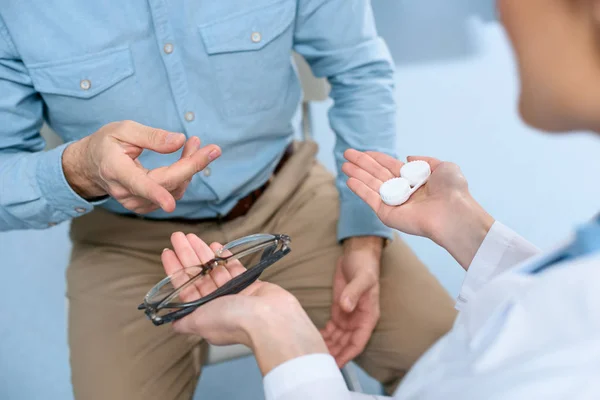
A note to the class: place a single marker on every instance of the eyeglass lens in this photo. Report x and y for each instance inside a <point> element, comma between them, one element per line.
<point>193,283</point>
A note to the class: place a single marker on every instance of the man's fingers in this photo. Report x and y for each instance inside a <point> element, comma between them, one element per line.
<point>336,334</point>
<point>353,171</point>
<point>335,349</point>
<point>433,162</point>
<point>149,138</point>
<point>329,328</point>
<point>146,188</point>
<point>358,341</point>
<point>390,163</point>
<point>184,169</point>
<point>368,195</point>
<point>355,344</point>
<point>191,146</point>
<point>138,183</point>
<point>180,191</point>
<point>366,162</point>
<point>146,209</point>
<point>347,354</point>
<point>345,339</point>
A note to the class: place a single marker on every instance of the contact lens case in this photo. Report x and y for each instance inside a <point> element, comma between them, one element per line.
<point>413,175</point>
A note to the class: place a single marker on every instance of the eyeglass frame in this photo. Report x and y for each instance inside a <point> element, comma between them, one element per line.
<point>234,286</point>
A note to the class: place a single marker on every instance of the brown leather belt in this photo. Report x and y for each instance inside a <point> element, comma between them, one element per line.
<point>240,209</point>
<point>245,204</point>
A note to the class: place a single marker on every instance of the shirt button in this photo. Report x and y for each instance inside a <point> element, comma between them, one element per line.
<point>80,210</point>
<point>85,84</point>
<point>51,224</point>
<point>189,116</point>
<point>206,172</point>
<point>168,48</point>
<point>256,37</point>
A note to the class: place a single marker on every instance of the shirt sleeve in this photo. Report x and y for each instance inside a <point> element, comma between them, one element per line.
<point>33,190</point>
<point>339,41</point>
<point>315,377</point>
<point>501,249</point>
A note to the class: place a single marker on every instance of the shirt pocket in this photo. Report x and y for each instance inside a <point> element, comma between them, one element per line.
<point>250,54</point>
<point>78,90</point>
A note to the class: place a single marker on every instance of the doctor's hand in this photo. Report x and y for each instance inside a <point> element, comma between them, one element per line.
<point>106,163</point>
<point>442,210</point>
<point>264,317</point>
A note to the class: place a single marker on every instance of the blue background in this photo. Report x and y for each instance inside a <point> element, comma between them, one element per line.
<point>456,89</point>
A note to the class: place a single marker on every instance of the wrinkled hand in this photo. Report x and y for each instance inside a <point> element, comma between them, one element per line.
<point>263,316</point>
<point>106,162</point>
<point>355,309</point>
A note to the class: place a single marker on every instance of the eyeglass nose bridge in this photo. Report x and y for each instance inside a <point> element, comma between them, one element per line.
<point>206,268</point>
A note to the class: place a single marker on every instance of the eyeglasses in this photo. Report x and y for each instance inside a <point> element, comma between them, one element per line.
<point>181,293</point>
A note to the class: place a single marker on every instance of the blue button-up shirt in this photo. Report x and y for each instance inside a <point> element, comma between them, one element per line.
<point>219,70</point>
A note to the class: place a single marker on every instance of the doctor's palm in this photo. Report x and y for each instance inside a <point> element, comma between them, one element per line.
<point>223,320</point>
<point>427,209</point>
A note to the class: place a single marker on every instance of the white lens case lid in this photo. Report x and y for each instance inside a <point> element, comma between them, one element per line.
<point>413,175</point>
<point>395,191</point>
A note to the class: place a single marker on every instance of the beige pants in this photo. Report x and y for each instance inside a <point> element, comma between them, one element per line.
<point>116,353</point>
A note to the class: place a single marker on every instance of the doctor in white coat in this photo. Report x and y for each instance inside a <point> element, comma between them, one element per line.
<point>529,322</point>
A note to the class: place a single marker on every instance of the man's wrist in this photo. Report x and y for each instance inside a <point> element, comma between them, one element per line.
<point>463,229</point>
<point>282,334</point>
<point>372,243</point>
<point>75,172</point>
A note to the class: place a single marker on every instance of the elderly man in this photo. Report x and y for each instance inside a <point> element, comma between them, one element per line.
<point>117,81</point>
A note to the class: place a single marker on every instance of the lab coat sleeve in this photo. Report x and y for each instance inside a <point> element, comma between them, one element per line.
<point>501,249</point>
<point>315,377</point>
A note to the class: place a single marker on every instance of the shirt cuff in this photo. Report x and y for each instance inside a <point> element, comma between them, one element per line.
<point>300,373</point>
<point>501,249</point>
<point>358,219</point>
<point>55,189</point>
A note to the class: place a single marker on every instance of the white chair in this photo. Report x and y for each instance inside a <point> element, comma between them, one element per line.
<point>314,90</point>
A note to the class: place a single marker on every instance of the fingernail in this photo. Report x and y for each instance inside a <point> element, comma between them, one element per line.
<point>348,304</point>
<point>214,154</point>
<point>165,249</point>
<point>172,137</point>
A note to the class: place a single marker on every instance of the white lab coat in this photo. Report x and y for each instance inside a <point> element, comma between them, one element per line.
<point>517,336</point>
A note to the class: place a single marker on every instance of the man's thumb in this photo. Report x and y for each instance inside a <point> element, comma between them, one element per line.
<point>353,292</point>
<point>149,138</point>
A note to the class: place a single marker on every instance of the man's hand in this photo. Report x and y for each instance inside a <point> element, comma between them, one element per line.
<point>263,316</point>
<point>355,309</point>
<point>442,210</point>
<point>106,162</point>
